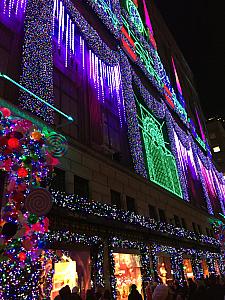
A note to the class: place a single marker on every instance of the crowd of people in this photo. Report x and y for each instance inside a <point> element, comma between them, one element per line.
<point>209,288</point>
<point>100,294</point>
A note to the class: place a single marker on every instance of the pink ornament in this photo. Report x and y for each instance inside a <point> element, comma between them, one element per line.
<point>5,111</point>
<point>38,227</point>
<point>22,256</point>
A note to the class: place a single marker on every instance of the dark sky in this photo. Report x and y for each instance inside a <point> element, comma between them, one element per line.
<point>199,30</point>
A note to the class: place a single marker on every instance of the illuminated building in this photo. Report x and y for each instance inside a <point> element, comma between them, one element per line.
<point>137,184</point>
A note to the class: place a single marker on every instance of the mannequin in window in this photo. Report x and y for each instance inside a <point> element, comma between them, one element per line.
<point>162,273</point>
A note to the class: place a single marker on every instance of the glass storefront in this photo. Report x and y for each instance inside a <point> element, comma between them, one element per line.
<point>73,269</point>
<point>127,272</point>
<point>187,267</point>
<point>164,268</point>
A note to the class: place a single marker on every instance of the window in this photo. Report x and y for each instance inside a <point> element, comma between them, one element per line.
<point>111,131</point>
<point>177,221</point>
<point>183,223</point>
<point>116,199</point>
<point>81,187</point>
<point>130,204</point>
<point>152,212</point>
<point>162,216</point>
<point>194,227</point>
<point>212,135</point>
<point>58,182</point>
<point>216,149</point>
<point>199,229</point>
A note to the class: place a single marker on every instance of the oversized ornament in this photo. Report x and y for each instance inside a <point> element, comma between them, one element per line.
<point>13,143</point>
<point>36,135</point>
<point>22,172</point>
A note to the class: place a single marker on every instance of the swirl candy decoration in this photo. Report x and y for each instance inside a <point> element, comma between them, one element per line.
<point>39,202</point>
<point>57,144</point>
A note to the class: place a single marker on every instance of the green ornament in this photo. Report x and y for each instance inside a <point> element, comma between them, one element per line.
<point>32,219</point>
<point>34,157</point>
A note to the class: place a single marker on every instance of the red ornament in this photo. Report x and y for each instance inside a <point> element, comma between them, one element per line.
<point>5,111</point>
<point>13,143</point>
<point>22,256</point>
<point>22,172</point>
<point>3,140</point>
<point>18,197</point>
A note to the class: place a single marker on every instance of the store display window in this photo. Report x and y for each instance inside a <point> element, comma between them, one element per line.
<point>205,268</point>
<point>187,267</point>
<point>127,272</point>
<point>217,269</point>
<point>164,268</point>
<point>72,269</point>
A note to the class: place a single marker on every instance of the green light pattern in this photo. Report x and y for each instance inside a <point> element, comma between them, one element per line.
<point>135,17</point>
<point>160,161</point>
<point>143,54</point>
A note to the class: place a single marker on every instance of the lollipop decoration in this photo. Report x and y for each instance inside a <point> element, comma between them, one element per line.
<point>57,144</point>
<point>39,202</point>
<point>26,159</point>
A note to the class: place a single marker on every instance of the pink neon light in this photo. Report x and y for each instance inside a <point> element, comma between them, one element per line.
<point>147,18</point>
<point>177,79</point>
<point>200,125</point>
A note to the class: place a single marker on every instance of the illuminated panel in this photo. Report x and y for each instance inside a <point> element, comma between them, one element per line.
<point>177,78</point>
<point>127,272</point>
<point>190,173</point>
<point>200,126</point>
<point>210,186</point>
<point>12,8</point>
<point>161,163</point>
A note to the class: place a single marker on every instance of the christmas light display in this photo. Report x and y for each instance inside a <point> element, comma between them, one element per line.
<point>84,207</point>
<point>132,120</point>
<point>13,8</point>
<point>110,14</point>
<point>28,165</point>
<point>37,65</point>
<point>161,163</point>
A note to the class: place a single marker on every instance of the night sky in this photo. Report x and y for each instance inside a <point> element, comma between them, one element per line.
<point>199,30</point>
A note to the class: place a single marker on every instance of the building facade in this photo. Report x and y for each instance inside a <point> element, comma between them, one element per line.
<point>216,131</point>
<point>137,187</point>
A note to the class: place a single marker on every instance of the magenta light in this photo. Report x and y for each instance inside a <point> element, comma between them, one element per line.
<point>177,79</point>
<point>12,8</point>
<point>200,125</point>
<point>147,18</point>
